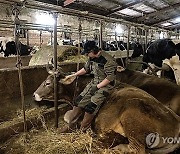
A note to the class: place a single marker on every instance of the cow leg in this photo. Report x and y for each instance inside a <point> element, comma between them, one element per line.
<point>135,146</point>
<point>71,117</point>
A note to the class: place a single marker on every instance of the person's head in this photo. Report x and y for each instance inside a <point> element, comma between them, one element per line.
<point>91,49</point>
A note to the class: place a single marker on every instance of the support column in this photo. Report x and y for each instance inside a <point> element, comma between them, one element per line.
<point>55,16</point>
<point>100,34</point>
<point>128,39</point>
<point>27,33</point>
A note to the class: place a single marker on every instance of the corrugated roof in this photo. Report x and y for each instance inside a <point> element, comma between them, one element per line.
<point>148,12</point>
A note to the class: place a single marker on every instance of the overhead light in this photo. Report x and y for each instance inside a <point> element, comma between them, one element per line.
<point>166,24</point>
<point>177,19</point>
<point>118,29</point>
<point>44,19</point>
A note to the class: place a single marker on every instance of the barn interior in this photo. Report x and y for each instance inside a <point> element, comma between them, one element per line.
<point>41,24</point>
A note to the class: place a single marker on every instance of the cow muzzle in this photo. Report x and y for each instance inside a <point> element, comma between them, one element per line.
<point>37,97</point>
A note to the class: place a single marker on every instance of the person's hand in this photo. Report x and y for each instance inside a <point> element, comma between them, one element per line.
<point>70,76</point>
<point>69,79</point>
<point>93,90</point>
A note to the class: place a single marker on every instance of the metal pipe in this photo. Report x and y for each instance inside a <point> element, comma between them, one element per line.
<point>146,39</point>
<point>55,16</point>
<point>31,26</point>
<point>27,34</point>
<point>16,35</point>
<point>100,34</point>
<point>51,37</point>
<point>40,38</point>
<point>79,40</point>
<point>78,63</point>
<point>128,39</point>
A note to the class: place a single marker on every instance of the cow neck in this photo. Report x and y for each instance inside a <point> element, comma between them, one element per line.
<point>124,76</point>
<point>69,90</point>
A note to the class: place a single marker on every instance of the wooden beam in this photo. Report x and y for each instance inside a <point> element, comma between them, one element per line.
<point>163,20</point>
<point>114,1</point>
<point>150,5</point>
<point>83,6</point>
<point>174,6</point>
<point>139,11</point>
<point>124,6</point>
<point>173,26</point>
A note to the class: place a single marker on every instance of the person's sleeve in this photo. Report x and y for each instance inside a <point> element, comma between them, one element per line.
<point>87,66</point>
<point>110,70</point>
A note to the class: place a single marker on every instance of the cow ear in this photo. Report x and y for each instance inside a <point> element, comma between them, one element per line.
<point>67,80</point>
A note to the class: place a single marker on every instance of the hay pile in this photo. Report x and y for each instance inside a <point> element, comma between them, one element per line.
<point>35,112</point>
<point>65,53</point>
<point>48,141</point>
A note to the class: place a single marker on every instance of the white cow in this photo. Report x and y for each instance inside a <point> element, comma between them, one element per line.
<point>174,63</point>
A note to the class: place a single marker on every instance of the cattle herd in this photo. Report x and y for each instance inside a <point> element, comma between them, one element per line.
<point>140,105</point>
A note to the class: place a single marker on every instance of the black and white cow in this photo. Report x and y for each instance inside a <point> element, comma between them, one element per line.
<point>8,47</point>
<point>158,51</point>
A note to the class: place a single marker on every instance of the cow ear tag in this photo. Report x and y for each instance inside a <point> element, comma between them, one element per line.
<point>68,80</point>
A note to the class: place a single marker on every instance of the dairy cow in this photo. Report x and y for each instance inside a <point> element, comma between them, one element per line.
<point>8,47</point>
<point>158,51</point>
<point>128,111</point>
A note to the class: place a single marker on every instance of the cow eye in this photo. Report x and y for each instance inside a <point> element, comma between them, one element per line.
<point>47,83</point>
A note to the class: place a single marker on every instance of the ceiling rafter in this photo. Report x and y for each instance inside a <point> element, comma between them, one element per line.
<point>114,1</point>
<point>83,6</point>
<point>150,5</point>
<point>167,3</point>
<point>124,7</point>
<point>174,6</point>
<point>139,11</point>
<point>163,20</point>
<point>173,26</point>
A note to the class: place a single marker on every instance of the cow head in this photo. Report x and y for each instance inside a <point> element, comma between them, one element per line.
<point>46,89</point>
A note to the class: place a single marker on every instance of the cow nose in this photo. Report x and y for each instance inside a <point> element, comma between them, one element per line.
<point>37,97</point>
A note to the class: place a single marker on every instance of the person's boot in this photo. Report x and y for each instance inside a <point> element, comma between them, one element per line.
<point>73,117</point>
<point>86,122</point>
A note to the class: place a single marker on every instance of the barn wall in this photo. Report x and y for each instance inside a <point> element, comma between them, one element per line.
<point>11,61</point>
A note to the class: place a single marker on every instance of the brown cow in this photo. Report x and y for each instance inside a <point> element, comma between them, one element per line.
<point>128,111</point>
<point>163,90</point>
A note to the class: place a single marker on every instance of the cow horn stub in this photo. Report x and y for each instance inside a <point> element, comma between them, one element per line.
<point>50,71</point>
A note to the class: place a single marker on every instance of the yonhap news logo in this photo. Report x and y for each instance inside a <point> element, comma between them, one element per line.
<point>153,139</point>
